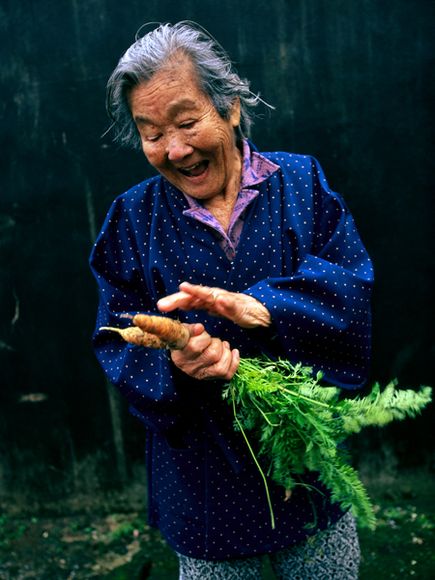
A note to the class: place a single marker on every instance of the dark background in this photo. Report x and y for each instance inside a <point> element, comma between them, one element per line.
<point>352,82</point>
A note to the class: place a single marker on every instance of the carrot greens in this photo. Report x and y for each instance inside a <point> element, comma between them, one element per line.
<point>299,423</point>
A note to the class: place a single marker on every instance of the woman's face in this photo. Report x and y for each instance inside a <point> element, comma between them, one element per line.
<point>182,134</point>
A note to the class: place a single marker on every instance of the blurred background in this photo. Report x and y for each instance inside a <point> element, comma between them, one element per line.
<point>352,83</point>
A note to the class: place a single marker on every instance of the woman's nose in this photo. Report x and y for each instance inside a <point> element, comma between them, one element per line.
<point>177,148</point>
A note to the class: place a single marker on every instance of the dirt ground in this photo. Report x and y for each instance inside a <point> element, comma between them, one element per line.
<point>119,545</point>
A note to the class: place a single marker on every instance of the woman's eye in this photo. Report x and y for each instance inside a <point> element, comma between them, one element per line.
<point>187,124</point>
<point>153,138</point>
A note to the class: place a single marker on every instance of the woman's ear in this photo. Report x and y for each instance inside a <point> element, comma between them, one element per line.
<point>235,113</point>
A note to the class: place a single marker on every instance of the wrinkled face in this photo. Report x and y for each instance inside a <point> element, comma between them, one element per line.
<point>182,134</point>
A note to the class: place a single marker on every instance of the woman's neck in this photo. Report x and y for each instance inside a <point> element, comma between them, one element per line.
<point>221,206</point>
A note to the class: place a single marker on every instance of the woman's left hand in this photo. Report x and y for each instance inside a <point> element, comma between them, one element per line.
<point>243,310</point>
<point>206,357</point>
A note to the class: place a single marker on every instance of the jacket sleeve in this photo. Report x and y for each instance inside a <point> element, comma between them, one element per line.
<point>143,376</point>
<point>321,313</point>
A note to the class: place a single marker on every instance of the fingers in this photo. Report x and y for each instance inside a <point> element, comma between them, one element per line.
<point>199,341</point>
<point>205,357</point>
<point>200,352</point>
<point>181,300</point>
<point>224,368</point>
<point>204,294</point>
<point>242,309</point>
<point>195,329</point>
<point>191,297</point>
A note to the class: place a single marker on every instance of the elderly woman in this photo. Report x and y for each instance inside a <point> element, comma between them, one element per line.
<point>255,254</point>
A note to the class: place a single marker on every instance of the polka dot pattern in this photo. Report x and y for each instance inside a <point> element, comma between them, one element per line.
<point>297,252</point>
<point>333,554</point>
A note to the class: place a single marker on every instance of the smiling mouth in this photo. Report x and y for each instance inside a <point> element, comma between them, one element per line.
<point>194,170</point>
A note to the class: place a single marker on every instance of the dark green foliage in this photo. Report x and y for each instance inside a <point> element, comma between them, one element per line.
<point>300,424</point>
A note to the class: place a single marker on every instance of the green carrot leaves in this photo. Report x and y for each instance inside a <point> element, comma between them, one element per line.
<point>300,424</point>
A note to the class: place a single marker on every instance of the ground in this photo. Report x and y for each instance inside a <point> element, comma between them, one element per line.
<point>120,546</point>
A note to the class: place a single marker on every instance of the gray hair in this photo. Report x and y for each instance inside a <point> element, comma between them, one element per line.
<point>216,74</point>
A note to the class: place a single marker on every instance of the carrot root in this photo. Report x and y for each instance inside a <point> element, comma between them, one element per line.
<point>172,332</point>
<point>153,331</point>
<point>135,335</point>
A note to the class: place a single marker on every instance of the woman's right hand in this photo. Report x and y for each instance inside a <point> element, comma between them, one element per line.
<point>205,357</point>
<point>242,309</point>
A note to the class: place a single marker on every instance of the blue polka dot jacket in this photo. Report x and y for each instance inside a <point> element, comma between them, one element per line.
<point>300,255</point>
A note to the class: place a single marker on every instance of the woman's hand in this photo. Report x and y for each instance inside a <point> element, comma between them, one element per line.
<point>205,357</point>
<point>243,310</point>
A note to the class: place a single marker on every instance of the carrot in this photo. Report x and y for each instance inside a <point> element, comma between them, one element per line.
<point>135,335</point>
<point>173,332</point>
<point>154,332</point>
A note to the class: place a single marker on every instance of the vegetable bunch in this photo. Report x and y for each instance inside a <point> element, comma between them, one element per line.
<point>298,423</point>
<point>301,424</point>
